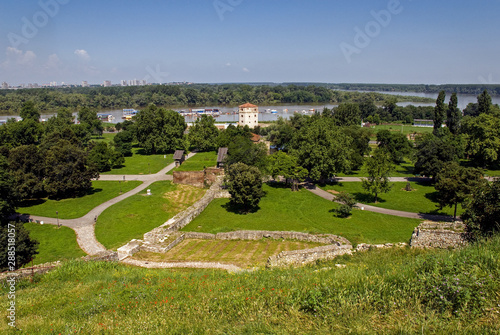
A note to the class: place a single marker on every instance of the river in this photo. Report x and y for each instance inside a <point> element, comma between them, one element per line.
<point>287,110</point>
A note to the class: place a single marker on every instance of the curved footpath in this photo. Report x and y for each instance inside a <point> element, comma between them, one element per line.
<point>421,216</point>
<point>84,226</point>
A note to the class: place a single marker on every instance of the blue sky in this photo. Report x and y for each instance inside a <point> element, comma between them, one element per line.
<point>413,41</point>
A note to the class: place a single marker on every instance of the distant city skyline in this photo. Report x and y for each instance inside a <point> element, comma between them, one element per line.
<point>216,41</point>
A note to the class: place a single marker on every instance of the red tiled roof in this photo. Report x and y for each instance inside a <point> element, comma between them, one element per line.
<point>248,105</point>
<point>255,137</point>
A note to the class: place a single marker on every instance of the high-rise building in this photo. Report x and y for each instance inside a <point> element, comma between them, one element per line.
<point>85,83</point>
<point>107,83</point>
<point>248,115</point>
<point>124,83</point>
<point>5,86</point>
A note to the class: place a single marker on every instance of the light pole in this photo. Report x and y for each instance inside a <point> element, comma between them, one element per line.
<point>57,214</point>
<point>120,183</point>
<point>149,168</point>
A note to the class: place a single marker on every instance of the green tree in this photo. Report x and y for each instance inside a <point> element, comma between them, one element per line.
<point>103,157</point>
<point>396,144</point>
<point>482,211</point>
<point>433,152</point>
<point>439,111</point>
<point>29,112</point>
<point>159,130</point>
<point>25,246</point>
<point>89,120</point>
<point>347,114</point>
<point>67,171</point>
<point>203,134</point>
<point>455,184</point>
<point>346,201</point>
<point>244,183</point>
<point>281,164</point>
<point>453,115</point>
<point>360,145</point>
<point>243,150</point>
<point>322,148</point>
<point>123,142</point>
<point>7,183</point>
<point>27,167</point>
<point>482,136</point>
<point>378,168</point>
<point>484,103</point>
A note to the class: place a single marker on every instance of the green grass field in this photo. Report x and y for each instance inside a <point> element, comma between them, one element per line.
<point>74,208</point>
<point>303,211</point>
<point>240,253</point>
<point>55,243</point>
<point>140,163</point>
<point>422,200</point>
<point>106,137</point>
<point>138,214</point>
<point>198,162</point>
<point>394,291</point>
<point>405,129</point>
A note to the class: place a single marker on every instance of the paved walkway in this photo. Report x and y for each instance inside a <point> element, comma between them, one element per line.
<point>84,226</point>
<point>329,196</point>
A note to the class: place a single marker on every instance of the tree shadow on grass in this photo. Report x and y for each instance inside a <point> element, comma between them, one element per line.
<point>277,184</point>
<point>236,209</point>
<point>367,198</point>
<point>434,197</point>
<point>32,202</point>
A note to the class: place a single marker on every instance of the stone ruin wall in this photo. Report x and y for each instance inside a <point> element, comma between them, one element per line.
<point>439,235</point>
<point>306,256</point>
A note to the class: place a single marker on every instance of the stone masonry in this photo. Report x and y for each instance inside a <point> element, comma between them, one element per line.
<point>439,235</point>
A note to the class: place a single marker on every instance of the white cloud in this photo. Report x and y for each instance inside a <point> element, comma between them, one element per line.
<point>17,59</point>
<point>82,54</point>
<point>52,62</point>
<point>228,64</point>
<point>245,69</point>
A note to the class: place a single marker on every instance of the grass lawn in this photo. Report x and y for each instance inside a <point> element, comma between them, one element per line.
<point>73,208</point>
<point>106,137</point>
<point>402,170</point>
<point>422,200</point>
<point>198,162</point>
<point>391,291</point>
<point>240,253</point>
<point>303,211</point>
<point>406,129</point>
<point>134,216</point>
<point>140,163</point>
<point>55,243</point>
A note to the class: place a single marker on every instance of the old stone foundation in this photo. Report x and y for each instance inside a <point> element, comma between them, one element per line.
<point>439,235</point>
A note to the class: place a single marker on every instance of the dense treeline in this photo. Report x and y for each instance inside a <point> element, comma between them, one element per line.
<point>494,89</point>
<point>102,98</point>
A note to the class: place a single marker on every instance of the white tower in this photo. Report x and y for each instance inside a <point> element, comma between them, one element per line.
<point>249,115</point>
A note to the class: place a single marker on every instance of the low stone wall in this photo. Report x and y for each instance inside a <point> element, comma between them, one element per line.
<point>302,257</point>
<point>159,234</point>
<point>439,235</point>
<point>109,256</point>
<point>277,235</point>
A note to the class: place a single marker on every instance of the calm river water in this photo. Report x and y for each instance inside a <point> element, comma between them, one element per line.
<point>287,110</point>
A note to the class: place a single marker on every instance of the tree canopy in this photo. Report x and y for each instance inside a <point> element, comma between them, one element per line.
<point>244,183</point>
<point>203,134</point>
<point>379,168</point>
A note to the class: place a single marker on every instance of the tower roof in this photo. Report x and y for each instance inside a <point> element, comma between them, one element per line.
<point>248,105</point>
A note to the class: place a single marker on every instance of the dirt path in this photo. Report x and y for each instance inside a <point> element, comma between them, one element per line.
<point>168,265</point>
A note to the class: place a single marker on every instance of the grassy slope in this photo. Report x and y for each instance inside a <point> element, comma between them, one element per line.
<point>422,200</point>
<point>134,216</point>
<point>140,163</point>
<point>73,208</point>
<point>378,292</point>
<point>55,243</point>
<point>198,162</point>
<point>303,211</point>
